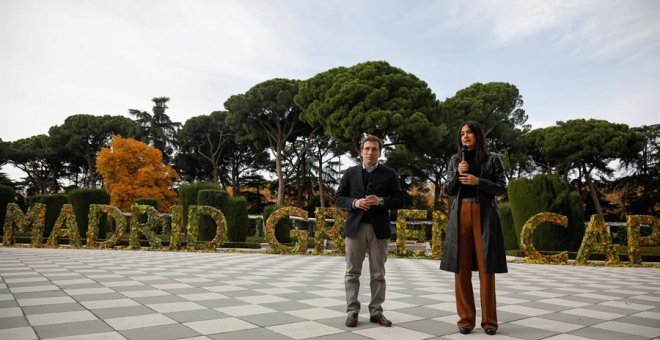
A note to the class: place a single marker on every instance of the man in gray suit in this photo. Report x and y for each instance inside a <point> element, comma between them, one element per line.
<point>367,191</point>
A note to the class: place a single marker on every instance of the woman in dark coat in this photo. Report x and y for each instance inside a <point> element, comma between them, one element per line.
<point>474,238</point>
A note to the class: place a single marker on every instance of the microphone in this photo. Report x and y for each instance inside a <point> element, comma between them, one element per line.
<point>464,151</point>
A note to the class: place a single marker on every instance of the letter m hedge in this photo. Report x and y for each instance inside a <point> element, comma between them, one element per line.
<point>16,220</point>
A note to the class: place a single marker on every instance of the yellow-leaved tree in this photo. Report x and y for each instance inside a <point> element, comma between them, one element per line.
<point>132,169</point>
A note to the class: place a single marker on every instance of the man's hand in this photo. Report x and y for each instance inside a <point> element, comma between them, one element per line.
<point>367,202</point>
<point>372,200</point>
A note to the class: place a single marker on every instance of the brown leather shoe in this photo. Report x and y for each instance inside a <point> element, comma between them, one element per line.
<point>351,320</point>
<point>381,320</point>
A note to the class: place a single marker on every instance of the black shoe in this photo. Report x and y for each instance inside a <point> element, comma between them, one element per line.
<point>351,320</point>
<point>381,320</point>
<point>464,330</point>
<point>491,331</point>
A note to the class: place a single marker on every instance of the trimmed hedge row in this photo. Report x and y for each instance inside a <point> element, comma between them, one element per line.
<point>81,199</point>
<point>7,195</point>
<point>53,204</point>
<point>217,199</point>
<point>188,195</point>
<point>508,229</point>
<point>234,209</point>
<point>548,193</point>
<point>147,201</point>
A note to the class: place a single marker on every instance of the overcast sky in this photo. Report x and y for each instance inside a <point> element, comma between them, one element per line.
<point>569,59</point>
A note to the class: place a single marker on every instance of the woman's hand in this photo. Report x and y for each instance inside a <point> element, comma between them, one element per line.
<point>468,179</point>
<point>463,167</point>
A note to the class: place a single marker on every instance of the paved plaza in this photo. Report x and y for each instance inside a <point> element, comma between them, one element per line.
<point>118,294</point>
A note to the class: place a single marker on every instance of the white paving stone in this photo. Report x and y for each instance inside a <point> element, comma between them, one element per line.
<point>564,302</point>
<point>94,336</point>
<point>138,321</point>
<point>392,333</point>
<point>627,305</point>
<point>10,312</point>
<point>273,291</point>
<point>566,337</point>
<point>144,293</point>
<point>217,326</point>
<point>100,304</point>
<point>590,313</point>
<point>44,301</point>
<point>548,325</point>
<point>203,296</point>
<point>59,317</point>
<point>648,315</point>
<point>6,297</point>
<point>88,291</point>
<point>26,280</point>
<point>529,311</point>
<point>175,307</point>
<point>262,299</point>
<point>72,282</point>
<point>600,296</point>
<point>323,302</point>
<point>33,289</point>
<point>128,283</point>
<point>316,313</point>
<point>20,333</point>
<point>649,332</point>
<point>305,330</point>
<point>244,310</point>
<point>166,286</point>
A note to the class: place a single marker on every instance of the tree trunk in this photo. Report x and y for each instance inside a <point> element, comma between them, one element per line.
<point>236,186</point>
<point>437,192</point>
<point>92,173</point>
<point>301,183</point>
<point>594,197</point>
<point>280,176</point>
<point>321,194</point>
<point>214,173</point>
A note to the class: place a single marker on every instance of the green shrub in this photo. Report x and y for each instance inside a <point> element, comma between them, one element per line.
<point>282,227</point>
<point>152,202</point>
<point>508,230</point>
<point>166,220</point>
<point>147,201</point>
<point>81,199</point>
<point>7,195</point>
<point>234,209</point>
<point>213,198</point>
<point>53,204</point>
<point>188,195</point>
<point>547,193</point>
<point>239,230</point>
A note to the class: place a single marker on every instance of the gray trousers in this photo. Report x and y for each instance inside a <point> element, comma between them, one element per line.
<point>364,240</point>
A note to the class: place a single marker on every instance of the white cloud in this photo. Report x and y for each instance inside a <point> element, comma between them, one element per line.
<point>594,28</point>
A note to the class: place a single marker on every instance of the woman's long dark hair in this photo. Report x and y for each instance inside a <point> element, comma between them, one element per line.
<point>480,147</point>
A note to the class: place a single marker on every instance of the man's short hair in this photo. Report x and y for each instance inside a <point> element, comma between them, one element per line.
<point>372,138</point>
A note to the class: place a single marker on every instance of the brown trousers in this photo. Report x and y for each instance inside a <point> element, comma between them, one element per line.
<point>469,246</point>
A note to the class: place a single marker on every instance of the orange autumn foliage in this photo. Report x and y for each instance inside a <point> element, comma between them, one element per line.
<point>132,169</point>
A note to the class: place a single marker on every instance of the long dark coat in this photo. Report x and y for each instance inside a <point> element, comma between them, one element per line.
<point>492,182</point>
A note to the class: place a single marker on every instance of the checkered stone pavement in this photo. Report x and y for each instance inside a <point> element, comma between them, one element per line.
<point>116,294</point>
